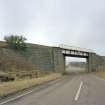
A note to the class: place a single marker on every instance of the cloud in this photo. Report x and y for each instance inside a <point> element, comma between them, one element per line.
<point>52,22</point>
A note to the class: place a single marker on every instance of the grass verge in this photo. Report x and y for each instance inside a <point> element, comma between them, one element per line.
<point>16,86</point>
<point>100,74</point>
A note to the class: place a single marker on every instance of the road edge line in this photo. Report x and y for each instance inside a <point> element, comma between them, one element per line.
<point>27,92</point>
<point>12,99</point>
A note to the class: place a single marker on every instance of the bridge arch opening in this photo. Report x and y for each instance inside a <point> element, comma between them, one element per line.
<point>75,65</point>
<point>61,54</point>
<point>78,55</point>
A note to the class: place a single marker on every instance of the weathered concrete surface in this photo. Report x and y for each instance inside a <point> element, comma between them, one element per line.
<point>59,60</point>
<point>47,58</point>
<point>40,57</point>
<point>96,62</point>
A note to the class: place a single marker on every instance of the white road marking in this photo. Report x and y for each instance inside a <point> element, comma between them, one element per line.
<point>15,98</point>
<point>79,90</point>
<point>22,95</point>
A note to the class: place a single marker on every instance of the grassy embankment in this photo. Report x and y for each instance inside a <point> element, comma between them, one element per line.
<point>100,74</point>
<point>7,88</point>
<point>19,65</point>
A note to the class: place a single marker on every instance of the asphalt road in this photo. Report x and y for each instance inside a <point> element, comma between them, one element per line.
<point>82,89</point>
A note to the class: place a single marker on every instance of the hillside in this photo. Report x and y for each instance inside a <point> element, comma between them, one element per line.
<point>34,58</point>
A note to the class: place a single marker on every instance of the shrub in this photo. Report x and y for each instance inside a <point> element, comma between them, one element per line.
<point>16,42</point>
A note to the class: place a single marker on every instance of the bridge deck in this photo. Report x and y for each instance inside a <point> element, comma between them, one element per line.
<point>72,48</point>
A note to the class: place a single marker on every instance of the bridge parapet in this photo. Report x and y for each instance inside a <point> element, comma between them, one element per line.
<point>75,53</point>
<point>66,47</point>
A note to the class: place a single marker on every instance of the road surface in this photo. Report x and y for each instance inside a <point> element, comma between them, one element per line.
<point>82,89</point>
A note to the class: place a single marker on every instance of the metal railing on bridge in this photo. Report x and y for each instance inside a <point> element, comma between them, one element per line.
<point>63,46</point>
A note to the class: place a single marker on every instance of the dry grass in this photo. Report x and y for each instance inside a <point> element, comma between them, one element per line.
<point>100,74</point>
<point>12,87</point>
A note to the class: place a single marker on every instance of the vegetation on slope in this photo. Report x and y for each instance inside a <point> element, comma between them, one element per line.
<point>17,62</point>
<point>15,86</point>
<point>16,42</point>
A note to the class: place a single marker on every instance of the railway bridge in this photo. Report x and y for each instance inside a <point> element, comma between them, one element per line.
<point>94,61</point>
<point>47,58</point>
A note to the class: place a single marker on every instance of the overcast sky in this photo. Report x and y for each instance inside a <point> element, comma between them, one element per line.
<point>53,22</point>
